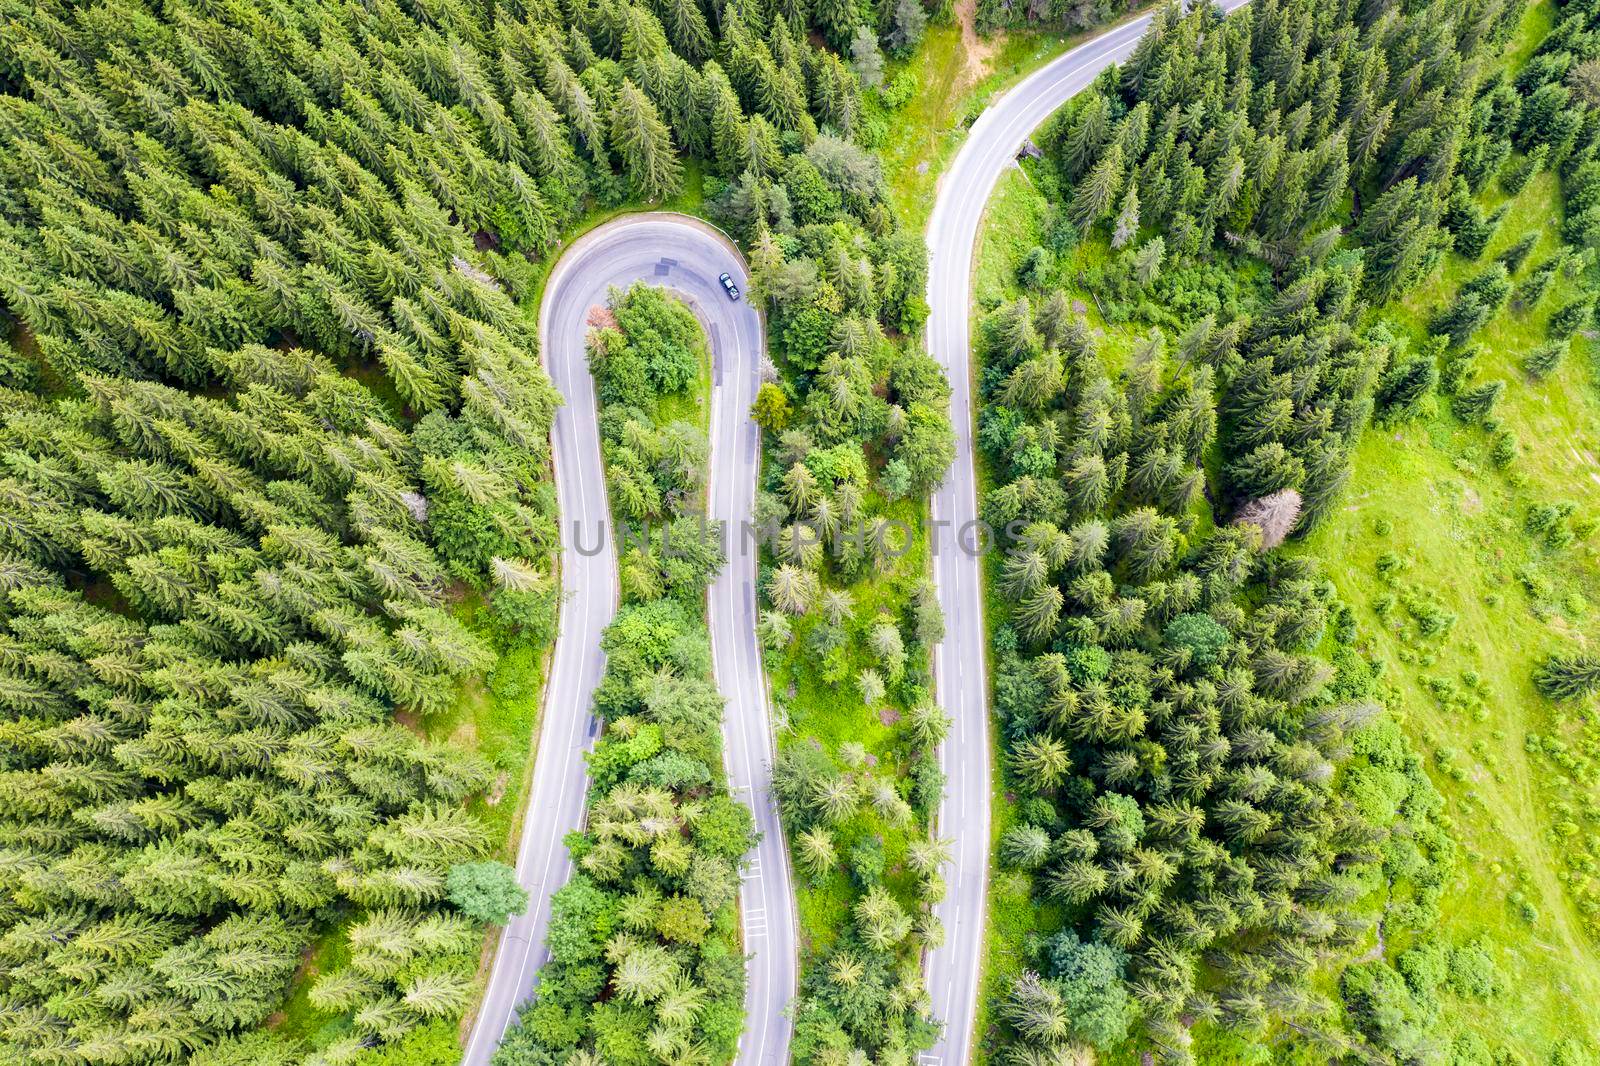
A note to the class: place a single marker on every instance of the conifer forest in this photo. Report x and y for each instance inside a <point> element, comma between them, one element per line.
<point>1168,610</point>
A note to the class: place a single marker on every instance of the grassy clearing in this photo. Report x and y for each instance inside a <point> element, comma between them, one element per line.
<point>1013,225</point>
<point>299,1019</point>
<point>1537,22</point>
<point>928,130</point>
<point>956,79</point>
<point>1459,531</point>
<point>498,718</point>
<point>1428,506</point>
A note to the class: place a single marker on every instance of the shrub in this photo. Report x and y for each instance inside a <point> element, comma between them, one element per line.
<point>1089,975</point>
<point>771,410</point>
<point>1199,634</point>
<point>1381,1004</point>
<point>486,891</point>
<point>1504,448</point>
<point>1087,662</point>
<point>1473,973</point>
<point>1548,522</point>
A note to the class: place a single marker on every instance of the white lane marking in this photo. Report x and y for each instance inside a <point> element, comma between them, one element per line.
<point>734,652</point>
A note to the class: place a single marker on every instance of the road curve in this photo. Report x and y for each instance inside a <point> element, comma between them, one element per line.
<point>685,255</point>
<point>960,661</point>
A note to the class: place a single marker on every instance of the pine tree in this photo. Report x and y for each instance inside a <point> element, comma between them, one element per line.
<point>838,21</point>
<point>1087,135</point>
<point>1041,761</point>
<point>865,59</point>
<point>1127,226</point>
<point>792,589</point>
<point>1406,384</point>
<point>641,139</point>
<point>686,25</point>
<point>1098,190</point>
<point>1513,258</point>
<point>1545,360</point>
<point>1146,262</point>
<point>1567,320</point>
<point>1266,469</point>
<point>1025,847</point>
<point>817,855</point>
<point>1477,404</point>
<point>1274,515</point>
<point>1568,676</point>
<point>907,26</point>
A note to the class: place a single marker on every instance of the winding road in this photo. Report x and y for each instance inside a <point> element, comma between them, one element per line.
<point>685,255</point>
<point>960,662</point>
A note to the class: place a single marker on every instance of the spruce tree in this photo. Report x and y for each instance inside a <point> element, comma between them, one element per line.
<point>641,139</point>
<point>1568,676</point>
<point>1098,190</point>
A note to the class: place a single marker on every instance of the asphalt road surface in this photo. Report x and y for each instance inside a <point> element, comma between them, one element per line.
<point>686,256</point>
<point>960,662</point>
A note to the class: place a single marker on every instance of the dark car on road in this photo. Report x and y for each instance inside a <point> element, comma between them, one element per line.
<point>728,286</point>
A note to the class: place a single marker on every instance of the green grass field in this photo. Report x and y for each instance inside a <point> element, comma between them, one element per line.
<point>1426,493</point>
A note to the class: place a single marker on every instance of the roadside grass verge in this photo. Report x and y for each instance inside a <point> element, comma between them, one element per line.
<point>926,133</point>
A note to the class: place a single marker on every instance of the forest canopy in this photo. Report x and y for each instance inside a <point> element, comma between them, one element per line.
<point>276,411</point>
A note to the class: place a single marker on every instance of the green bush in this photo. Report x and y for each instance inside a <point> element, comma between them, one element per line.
<point>1199,634</point>
<point>486,891</point>
<point>1090,977</point>
<point>1473,973</point>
